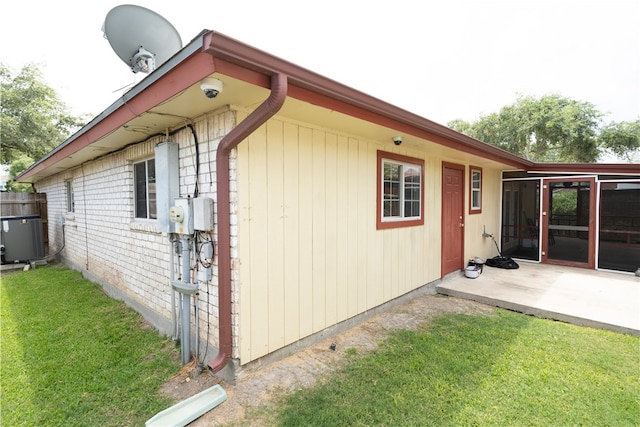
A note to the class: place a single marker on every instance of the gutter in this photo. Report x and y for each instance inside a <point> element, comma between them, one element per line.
<point>316,89</point>
<point>257,118</point>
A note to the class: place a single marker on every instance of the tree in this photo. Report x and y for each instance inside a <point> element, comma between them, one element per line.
<point>33,119</point>
<point>550,128</point>
<point>17,166</point>
<point>622,139</point>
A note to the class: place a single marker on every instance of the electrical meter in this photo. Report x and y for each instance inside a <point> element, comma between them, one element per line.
<point>181,215</point>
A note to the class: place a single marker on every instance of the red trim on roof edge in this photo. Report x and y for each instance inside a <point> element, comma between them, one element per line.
<point>311,87</point>
<point>586,168</point>
<point>175,81</point>
<point>239,60</point>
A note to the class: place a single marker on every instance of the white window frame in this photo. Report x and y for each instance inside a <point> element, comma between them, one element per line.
<point>403,194</point>
<point>475,190</point>
<point>150,203</point>
<point>71,204</point>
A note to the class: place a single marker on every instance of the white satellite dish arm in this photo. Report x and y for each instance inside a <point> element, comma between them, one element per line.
<point>143,61</point>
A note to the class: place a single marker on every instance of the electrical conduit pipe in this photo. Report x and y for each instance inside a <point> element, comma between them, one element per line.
<point>256,119</point>
<point>185,314</point>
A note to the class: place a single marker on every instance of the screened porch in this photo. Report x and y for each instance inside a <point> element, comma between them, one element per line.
<point>583,221</point>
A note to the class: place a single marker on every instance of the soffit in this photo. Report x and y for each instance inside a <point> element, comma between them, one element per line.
<point>190,104</point>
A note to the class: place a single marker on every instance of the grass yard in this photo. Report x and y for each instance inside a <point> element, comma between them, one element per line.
<point>72,356</point>
<point>459,370</point>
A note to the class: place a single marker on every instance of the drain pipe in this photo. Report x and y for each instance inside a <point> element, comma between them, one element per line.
<point>174,319</point>
<point>257,118</point>
<point>185,317</point>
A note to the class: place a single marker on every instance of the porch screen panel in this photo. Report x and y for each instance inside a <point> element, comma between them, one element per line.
<point>619,236</point>
<point>569,216</point>
<point>520,219</point>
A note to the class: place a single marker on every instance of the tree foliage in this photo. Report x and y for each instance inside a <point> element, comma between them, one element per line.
<point>622,139</point>
<point>17,166</point>
<point>33,118</point>
<point>552,128</point>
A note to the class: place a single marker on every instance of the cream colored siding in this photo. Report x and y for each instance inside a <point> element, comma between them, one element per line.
<point>489,219</point>
<point>292,240</point>
<point>306,253</point>
<point>310,255</point>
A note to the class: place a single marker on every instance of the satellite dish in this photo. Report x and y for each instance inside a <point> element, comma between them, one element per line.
<point>140,37</point>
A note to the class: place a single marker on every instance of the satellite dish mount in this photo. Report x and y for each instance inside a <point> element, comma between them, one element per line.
<point>143,61</point>
<point>140,37</point>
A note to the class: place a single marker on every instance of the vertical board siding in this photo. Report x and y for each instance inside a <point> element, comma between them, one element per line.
<point>246,297</point>
<point>342,228</point>
<point>488,220</point>
<point>275,232</point>
<point>258,222</point>
<point>305,238</point>
<point>318,224</point>
<point>331,231</point>
<point>352,232</point>
<point>291,259</point>
<point>362,183</point>
<point>310,255</point>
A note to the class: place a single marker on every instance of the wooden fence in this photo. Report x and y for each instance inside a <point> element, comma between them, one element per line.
<point>24,204</point>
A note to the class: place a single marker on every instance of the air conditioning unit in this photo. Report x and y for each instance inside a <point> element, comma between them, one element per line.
<point>21,239</point>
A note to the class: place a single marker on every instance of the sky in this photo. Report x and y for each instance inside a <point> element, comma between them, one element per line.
<point>443,60</point>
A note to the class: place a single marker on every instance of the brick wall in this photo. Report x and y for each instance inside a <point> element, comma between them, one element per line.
<point>129,256</point>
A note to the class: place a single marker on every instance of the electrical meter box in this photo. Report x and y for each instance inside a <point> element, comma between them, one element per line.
<point>21,239</point>
<point>181,216</point>
<point>203,214</point>
<point>167,183</point>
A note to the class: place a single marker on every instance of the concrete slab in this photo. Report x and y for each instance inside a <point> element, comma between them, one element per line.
<point>597,299</point>
<point>12,267</point>
<point>21,266</point>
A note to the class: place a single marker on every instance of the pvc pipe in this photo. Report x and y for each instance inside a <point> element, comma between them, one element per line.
<point>197,320</point>
<point>174,320</point>
<point>185,315</point>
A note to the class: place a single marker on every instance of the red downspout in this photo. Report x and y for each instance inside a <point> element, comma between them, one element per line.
<point>258,117</point>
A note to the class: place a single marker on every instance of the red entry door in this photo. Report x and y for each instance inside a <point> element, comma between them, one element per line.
<point>452,217</point>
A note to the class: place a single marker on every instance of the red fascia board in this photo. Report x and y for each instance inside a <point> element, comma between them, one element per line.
<point>407,123</point>
<point>175,81</point>
<point>311,87</point>
<point>587,168</point>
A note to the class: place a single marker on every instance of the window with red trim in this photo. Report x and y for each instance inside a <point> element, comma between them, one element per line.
<point>400,191</point>
<point>475,190</point>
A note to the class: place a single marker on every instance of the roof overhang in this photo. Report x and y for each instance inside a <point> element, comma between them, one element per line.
<point>170,98</point>
<point>586,168</point>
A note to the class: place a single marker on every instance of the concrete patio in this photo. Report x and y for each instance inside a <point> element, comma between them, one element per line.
<point>583,297</point>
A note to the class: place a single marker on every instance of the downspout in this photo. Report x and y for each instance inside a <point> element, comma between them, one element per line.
<point>256,119</point>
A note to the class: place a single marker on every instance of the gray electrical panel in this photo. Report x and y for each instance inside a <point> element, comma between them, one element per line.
<point>167,182</point>
<point>21,239</point>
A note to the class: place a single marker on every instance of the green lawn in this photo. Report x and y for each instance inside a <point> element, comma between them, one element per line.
<point>501,370</point>
<point>72,356</point>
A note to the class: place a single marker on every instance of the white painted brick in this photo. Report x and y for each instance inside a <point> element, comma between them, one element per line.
<point>131,255</point>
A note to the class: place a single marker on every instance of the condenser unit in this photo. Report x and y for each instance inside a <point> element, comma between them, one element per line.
<point>21,239</point>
